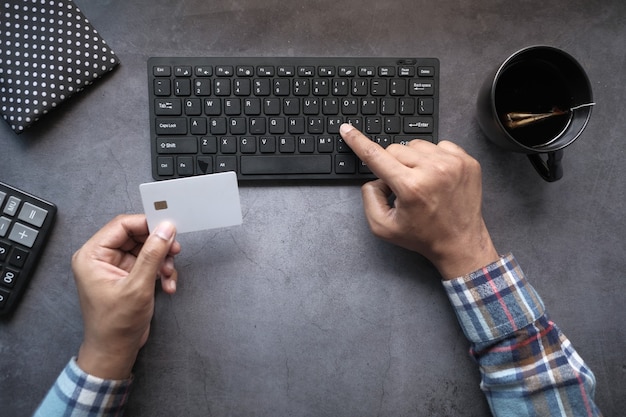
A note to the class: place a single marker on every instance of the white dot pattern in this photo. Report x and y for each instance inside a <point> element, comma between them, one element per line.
<point>48,52</point>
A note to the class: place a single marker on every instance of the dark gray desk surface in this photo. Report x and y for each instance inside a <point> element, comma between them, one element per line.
<point>301,311</point>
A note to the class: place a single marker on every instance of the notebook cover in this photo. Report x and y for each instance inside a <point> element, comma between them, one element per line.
<point>49,51</point>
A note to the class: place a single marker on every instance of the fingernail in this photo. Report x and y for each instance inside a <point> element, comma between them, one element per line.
<point>345,128</point>
<point>165,230</point>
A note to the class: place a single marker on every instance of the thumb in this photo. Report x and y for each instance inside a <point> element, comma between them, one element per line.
<point>376,204</point>
<point>154,251</point>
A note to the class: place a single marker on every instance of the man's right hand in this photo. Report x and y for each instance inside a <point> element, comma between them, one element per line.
<point>438,197</point>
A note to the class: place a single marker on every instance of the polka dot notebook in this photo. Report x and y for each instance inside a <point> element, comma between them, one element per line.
<point>48,52</point>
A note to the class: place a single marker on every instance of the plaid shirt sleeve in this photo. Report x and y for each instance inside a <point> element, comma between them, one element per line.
<point>78,394</point>
<point>528,367</point>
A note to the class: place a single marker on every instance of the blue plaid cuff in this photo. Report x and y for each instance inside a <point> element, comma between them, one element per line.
<point>76,393</point>
<point>495,301</point>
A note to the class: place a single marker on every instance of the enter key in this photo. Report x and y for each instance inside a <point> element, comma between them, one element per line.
<point>418,124</point>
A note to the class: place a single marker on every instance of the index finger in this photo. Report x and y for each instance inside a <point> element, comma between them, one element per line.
<point>124,232</point>
<point>382,163</point>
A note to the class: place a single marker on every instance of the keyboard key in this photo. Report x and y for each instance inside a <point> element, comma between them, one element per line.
<point>326,71</point>
<point>167,107</point>
<point>306,144</point>
<point>209,144</point>
<point>177,145</point>
<point>185,165</point>
<point>267,144</point>
<point>171,126</point>
<point>162,87</point>
<point>347,71</point>
<point>265,71</point>
<point>325,144</point>
<point>426,71</point>
<point>392,124</point>
<point>224,70</point>
<point>286,164</point>
<point>306,71</point>
<point>425,106</point>
<point>368,71</point>
<point>228,144</point>
<point>418,125</point>
<point>245,71</point>
<point>345,164</point>
<point>205,165</point>
<point>221,87</point>
<point>406,71</point>
<point>225,163</point>
<point>421,88</point>
<point>161,71</point>
<point>165,165</point>
<point>204,71</point>
<point>387,71</point>
<point>182,87</point>
<point>287,144</point>
<point>182,71</point>
<point>193,107</point>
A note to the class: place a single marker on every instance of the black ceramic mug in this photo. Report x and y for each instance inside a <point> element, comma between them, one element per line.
<point>537,102</point>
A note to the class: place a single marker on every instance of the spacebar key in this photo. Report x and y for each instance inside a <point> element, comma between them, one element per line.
<point>286,164</point>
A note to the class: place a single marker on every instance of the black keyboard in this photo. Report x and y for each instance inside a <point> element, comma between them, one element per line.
<point>25,224</point>
<point>279,118</point>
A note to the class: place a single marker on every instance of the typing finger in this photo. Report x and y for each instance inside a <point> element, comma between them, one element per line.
<point>383,164</point>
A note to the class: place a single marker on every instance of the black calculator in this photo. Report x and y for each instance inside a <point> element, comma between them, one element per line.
<point>25,224</point>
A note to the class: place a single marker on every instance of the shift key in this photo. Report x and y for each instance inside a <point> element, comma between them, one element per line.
<point>171,126</point>
<point>177,145</point>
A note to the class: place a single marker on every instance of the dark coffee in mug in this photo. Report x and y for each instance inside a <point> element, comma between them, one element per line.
<point>534,86</point>
<point>538,101</point>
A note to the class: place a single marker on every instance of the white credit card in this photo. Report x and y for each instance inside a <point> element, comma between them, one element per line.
<point>193,203</point>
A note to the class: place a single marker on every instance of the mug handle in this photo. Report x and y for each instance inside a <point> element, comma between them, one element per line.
<point>550,170</point>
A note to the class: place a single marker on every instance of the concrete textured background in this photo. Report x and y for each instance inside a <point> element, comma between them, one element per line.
<point>301,311</point>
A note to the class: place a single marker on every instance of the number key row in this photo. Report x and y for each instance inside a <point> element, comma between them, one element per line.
<point>298,87</point>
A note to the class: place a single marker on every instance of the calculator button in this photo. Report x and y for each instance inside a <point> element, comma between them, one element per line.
<point>32,214</point>
<point>4,251</point>
<point>18,257</point>
<point>23,235</point>
<point>4,295</point>
<point>8,278</point>
<point>4,226</point>
<point>12,205</point>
